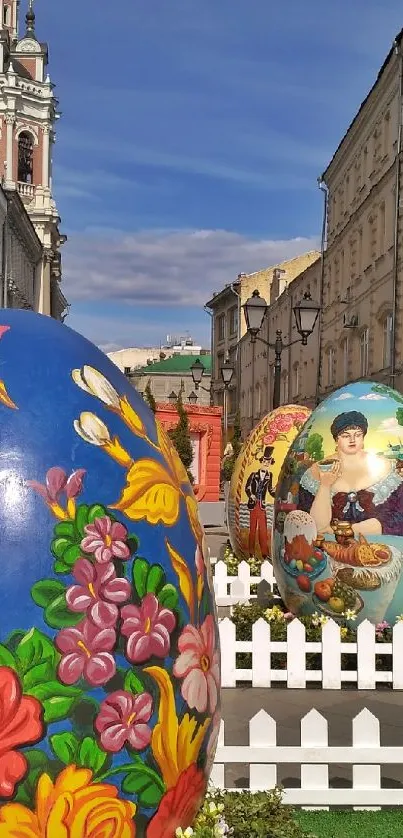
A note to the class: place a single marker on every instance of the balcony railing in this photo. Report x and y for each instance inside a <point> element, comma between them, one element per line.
<point>26,190</point>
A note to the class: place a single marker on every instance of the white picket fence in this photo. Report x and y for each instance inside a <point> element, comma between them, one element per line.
<point>315,756</point>
<point>231,590</point>
<point>331,676</point>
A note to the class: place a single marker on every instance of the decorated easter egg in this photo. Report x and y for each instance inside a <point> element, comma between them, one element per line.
<point>338,531</point>
<point>109,657</point>
<point>254,480</point>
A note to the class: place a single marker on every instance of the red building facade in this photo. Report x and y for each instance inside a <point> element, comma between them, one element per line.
<point>205,432</point>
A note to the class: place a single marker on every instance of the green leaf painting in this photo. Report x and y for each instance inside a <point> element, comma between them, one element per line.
<point>34,648</point>
<point>145,783</point>
<point>57,699</point>
<point>90,755</point>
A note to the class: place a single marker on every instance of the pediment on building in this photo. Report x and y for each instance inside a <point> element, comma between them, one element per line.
<point>29,45</point>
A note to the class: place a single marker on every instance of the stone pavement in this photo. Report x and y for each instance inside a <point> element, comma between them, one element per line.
<point>287,707</point>
<point>216,538</point>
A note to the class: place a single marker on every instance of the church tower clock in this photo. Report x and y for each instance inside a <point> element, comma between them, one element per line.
<point>28,112</point>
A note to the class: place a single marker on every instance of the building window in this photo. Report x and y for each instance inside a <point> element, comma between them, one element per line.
<point>25,157</point>
<point>359,252</point>
<point>250,402</point>
<point>365,164</point>
<point>295,387</point>
<point>220,364</point>
<point>364,352</point>
<point>285,388</point>
<point>330,367</point>
<point>386,134</point>
<point>221,327</point>
<point>233,321</point>
<point>127,370</point>
<point>6,15</point>
<point>345,351</point>
<point>258,400</point>
<point>382,230</point>
<point>387,340</point>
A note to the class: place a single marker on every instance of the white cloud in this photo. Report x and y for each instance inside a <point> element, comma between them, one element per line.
<point>390,426</point>
<point>165,267</point>
<point>374,397</point>
<point>343,396</point>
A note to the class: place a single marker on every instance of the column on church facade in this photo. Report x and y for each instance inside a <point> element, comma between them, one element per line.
<point>45,281</point>
<point>46,156</point>
<point>10,120</point>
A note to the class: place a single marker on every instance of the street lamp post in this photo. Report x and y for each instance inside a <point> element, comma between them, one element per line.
<point>192,397</point>
<point>227,371</point>
<point>306,313</point>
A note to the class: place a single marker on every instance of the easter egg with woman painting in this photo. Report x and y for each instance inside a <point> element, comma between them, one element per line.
<point>109,651</point>
<point>254,480</point>
<point>338,534</point>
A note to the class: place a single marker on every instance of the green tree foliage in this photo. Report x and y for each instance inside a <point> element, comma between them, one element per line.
<point>149,398</point>
<point>399,415</point>
<point>180,437</point>
<point>314,447</point>
<point>228,464</point>
<point>237,437</point>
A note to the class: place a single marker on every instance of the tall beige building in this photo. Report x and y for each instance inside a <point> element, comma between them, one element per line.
<point>299,364</point>
<point>250,389</point>
<point>362,319</point>
<point>358,280</point>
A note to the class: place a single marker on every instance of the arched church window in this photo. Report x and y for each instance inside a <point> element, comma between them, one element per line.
<point>25,157</point>
<point>6,15</point>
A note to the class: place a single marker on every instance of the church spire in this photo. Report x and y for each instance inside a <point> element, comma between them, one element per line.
<point>30,20</point>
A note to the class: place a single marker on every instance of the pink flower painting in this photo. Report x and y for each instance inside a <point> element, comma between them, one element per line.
<point>86,652</point>
<point>98,593</point>
<point>123,718</point>
<point>147,627</point>
<point>106,539</point>
<point>58,483</point>
<point>199,666</point>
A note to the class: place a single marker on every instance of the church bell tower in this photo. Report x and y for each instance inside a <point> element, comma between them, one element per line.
<point>28,113</point>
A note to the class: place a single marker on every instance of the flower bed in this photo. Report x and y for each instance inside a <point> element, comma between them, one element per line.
<point>256,815</point>
<point>245,615</point>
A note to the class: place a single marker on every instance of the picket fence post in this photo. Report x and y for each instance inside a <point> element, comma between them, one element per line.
<point>227,631</point>
<point>220,579</point>
<point>267,573</point>
<point>366,672</point>
<point>217,776</point>
<point>261,657</point>
<point>366,733</point>
<point>262,733</point>
<point>331,656</point>
<point>243,579</point>
<point>314,734</point>
<point>397,656</point>
<point>296,657</point>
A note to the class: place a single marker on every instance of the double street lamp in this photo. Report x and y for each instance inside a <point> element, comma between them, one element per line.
<point>306,313</point>
<point>227,371</point>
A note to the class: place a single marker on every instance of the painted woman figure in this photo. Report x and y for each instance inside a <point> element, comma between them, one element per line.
<point>357,486</point>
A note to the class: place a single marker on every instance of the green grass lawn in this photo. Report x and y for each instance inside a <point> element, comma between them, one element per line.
<point>384,824</point>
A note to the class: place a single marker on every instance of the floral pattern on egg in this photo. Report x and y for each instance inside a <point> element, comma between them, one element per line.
<point>109,649</point>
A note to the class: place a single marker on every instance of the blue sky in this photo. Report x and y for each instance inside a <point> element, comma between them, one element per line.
<point>192,136</point>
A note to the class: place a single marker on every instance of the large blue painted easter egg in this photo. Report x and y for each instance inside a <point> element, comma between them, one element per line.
<point>254,480</point>
<point>109,657</point>
<point>338,538</point>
